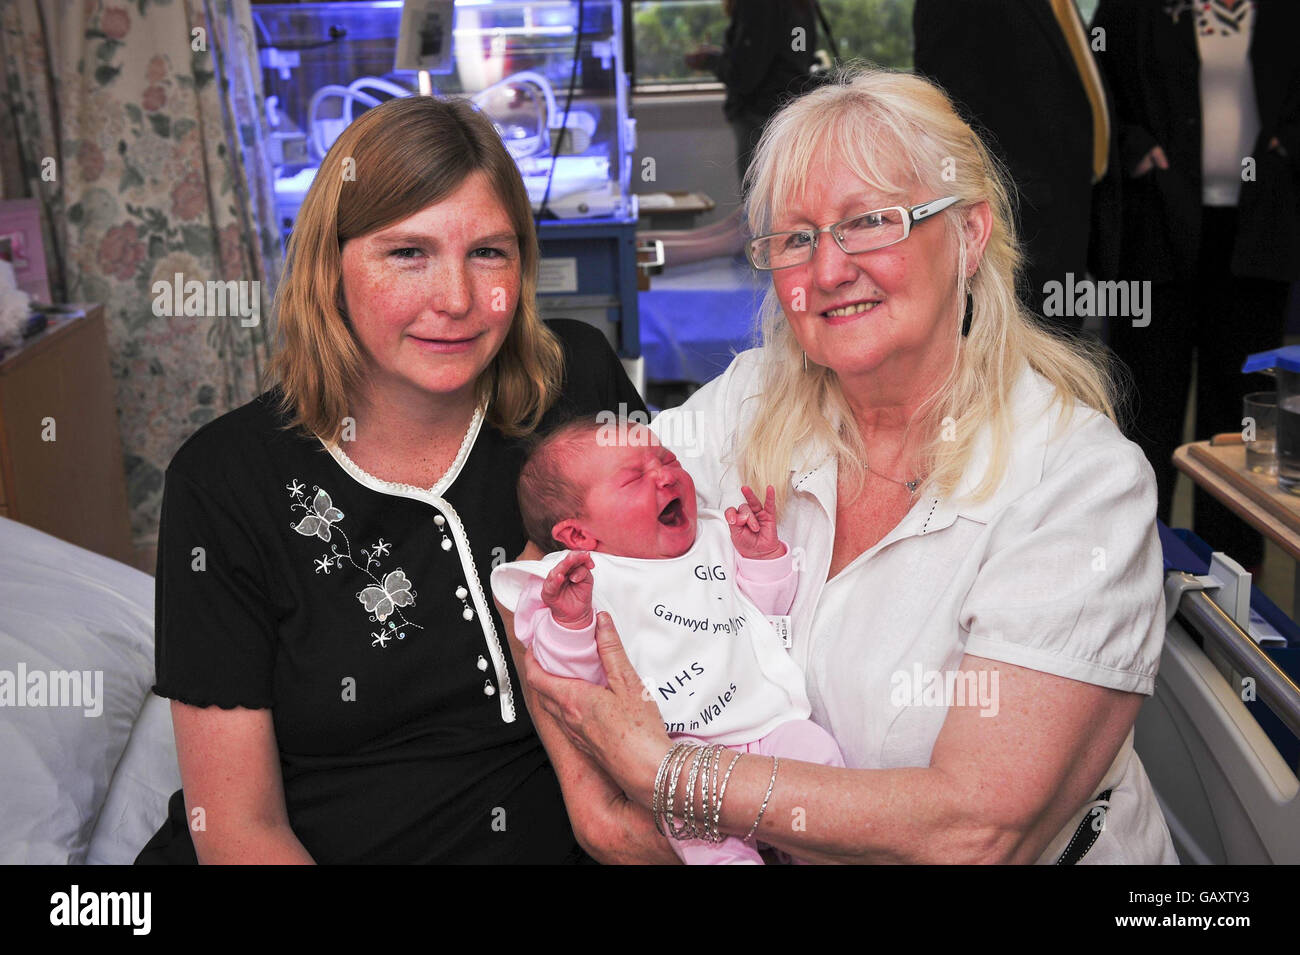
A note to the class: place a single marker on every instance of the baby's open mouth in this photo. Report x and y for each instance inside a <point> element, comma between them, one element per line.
<point>673,515</point>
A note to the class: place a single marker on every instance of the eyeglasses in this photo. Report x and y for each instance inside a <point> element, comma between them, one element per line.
<point>865,232</point>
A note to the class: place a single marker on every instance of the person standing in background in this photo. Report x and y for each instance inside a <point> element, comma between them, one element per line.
<point>1023,71</point>
<point>1208,118</point>
<point>764,60</point>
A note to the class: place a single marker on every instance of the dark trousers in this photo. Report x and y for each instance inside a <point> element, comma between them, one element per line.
<point>1213,320</point>
<point>747,127</point>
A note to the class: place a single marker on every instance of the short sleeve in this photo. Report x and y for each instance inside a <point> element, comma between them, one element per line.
<point>1071,582</point>
<point>215,632</point>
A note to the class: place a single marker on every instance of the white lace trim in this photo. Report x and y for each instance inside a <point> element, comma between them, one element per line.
<point>393,487</point>
<point>504,688</point>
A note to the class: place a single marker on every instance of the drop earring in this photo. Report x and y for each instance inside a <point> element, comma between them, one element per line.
<point>805,363</point>
<point>970,313</point>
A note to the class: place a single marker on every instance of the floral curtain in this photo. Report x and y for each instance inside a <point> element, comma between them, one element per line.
<point>150,112</point>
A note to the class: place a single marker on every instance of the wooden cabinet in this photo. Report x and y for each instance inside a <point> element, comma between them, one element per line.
<point>60,450</point>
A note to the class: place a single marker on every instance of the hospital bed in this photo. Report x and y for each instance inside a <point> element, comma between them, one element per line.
<point>1219,739</point>
<point>86,780</point>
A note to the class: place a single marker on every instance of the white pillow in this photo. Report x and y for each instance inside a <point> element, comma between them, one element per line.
<point>65,609</point>
<point>145,779</point>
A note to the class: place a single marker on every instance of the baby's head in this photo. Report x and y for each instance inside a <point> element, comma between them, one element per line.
<point>626,496</point>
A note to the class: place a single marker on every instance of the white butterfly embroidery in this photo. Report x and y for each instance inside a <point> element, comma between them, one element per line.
<point>381,601</point>
<point>318,524</point>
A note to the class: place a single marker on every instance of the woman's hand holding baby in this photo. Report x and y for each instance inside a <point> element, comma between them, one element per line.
<point>566,592</point>
<point>619,725</point>
<point>753,526</point>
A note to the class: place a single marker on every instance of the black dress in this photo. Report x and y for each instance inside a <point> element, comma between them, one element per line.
<point>357,611</point>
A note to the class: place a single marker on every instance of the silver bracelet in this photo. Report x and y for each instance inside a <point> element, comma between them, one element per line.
<point>674,777</point>
<point>708,791</point>
<point>702,777</point>
<point>656,806</point>
<point>688,810</point>
<point>709,788</point>
<point>722,792</point>
<point>712,828</point>
<point>659,784</point>
<point>683,751</point>
<point>702,761</point>
<point>705,791</point>
<point>763,808</point>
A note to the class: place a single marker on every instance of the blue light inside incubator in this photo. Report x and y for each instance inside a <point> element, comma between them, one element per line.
<point>326,63</point>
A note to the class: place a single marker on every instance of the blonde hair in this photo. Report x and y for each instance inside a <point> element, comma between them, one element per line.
<point>897,132</point>
<point>394,160</point>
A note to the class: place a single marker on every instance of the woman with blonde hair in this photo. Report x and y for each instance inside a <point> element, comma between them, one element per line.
<point>980,611</point>
<point>340,690</point>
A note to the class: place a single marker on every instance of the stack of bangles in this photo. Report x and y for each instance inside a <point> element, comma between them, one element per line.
<point>702,777</point>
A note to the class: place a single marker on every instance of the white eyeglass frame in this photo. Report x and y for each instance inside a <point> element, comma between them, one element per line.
<point>911,216</point>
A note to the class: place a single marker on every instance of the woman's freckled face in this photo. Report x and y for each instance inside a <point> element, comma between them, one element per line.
<point>431,298</point>
<point>899,297</point>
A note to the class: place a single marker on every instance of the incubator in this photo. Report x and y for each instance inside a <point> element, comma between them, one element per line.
<point>550,75</point>
<point>324,63</point>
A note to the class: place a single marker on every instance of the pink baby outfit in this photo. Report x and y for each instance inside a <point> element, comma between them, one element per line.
<point>696,629</point>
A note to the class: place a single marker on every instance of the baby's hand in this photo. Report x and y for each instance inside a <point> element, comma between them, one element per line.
<point>753,526</point>
<point>566,591</point>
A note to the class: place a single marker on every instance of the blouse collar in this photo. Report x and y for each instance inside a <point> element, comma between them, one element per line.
<point>1030,433</point>
<point>366,479</point>
<point>1032,425</point>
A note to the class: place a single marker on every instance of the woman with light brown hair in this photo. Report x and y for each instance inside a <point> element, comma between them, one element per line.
<point>340,687</point>
<point>980,612</point>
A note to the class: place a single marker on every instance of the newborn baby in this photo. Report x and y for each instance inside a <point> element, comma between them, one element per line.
<point>691,595</point>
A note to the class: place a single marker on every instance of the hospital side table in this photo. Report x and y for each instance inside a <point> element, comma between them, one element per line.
<point>1218,467</point>
<point>60,450</point>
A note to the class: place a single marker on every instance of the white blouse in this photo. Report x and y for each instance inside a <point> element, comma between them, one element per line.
<point>1059,571</point>
<point>1229,114</point>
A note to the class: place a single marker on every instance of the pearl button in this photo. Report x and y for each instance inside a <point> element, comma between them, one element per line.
<point>461,593</point>
<point>467,614</point>
<point>439,519</point>
<point>446,544</point>
<point>482,664</point>
<point>489,689</point>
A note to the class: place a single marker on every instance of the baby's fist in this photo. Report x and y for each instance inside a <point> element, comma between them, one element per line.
<point>566,591</point>
<point>753,526</point>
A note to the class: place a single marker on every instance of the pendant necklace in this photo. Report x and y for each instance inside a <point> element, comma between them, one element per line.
<point>911,485</point>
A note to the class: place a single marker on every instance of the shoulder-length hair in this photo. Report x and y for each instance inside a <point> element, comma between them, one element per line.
<point>899,132</point>
<point>393,161</point>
